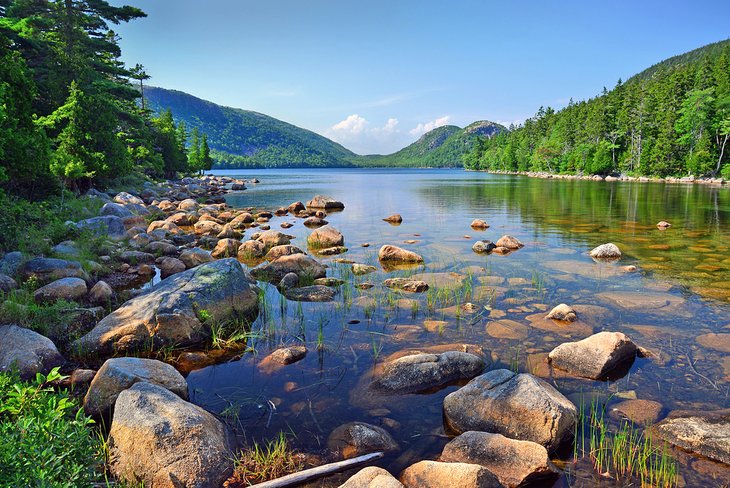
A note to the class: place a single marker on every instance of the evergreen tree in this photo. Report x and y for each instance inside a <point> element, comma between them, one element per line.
<point>205,159</point>
<point>194,159</point>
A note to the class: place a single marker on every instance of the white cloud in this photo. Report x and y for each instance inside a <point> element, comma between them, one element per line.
<point>356,133</point>
<point>422,128</point>
<point>353,124</point>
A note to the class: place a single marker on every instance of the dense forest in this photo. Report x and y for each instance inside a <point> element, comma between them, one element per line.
<point>671,119</point>
<point>70,113</point>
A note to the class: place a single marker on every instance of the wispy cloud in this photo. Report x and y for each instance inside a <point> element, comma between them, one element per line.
<point>424,127</point>
<point>379,102</point>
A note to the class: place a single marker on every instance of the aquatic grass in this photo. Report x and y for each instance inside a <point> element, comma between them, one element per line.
<point>263,462</point>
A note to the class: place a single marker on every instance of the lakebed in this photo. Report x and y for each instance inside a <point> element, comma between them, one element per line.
<point>676,303</point>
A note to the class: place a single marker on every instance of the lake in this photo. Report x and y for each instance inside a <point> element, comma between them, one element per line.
<point>676,304</point>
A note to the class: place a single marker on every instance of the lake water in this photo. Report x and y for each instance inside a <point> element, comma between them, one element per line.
<point>677,304</point>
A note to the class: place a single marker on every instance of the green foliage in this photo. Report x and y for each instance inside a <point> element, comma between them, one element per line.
<point>264,462</point>
<point>665,121</point>
<point>46,439</point>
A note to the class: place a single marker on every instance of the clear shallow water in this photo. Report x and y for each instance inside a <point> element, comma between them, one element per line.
<point>680,294</point>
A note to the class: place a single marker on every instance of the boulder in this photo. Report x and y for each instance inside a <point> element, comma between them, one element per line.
<point>226,248</point>
<point>66,250</point>
<point>327,203</point>
<point>331,282</point>
<point>272,238</point>
<point>406,284</point>
<point>331,251</point>
<point>300,264</point>
<point>64,289</point>
<point>161,248</point>
<point>313,293</point>
<point>703,433</point>
<point>479,224</point>
<point>394,219</point>
<point>562,312</point>
<point>101,293</point>
<point>167,313</point>
<point>136,257</point>
<point>188,205</point>
<point>290,280</point>
<point>363,269</point>
<point>229,232</point>
<point>50,269</point>
<point>27,352</point>
<point>398,255</point>
<point>433,474</point>
<point>287,355</point>
<point>118,374</point>
<point>207,227</point>
<point>105,226</point>
<point>7,283</point>
<point>483,247</point>
<point>182,219</point>
<point>357,438</point>
<point>421,371</point>
<point>314,222</point>
<point>279,251</point>
<point>515,463</point>
<point>663,225</point>
<point>158,439</point>
<point>11,262</point>
<point>509,242</point>
<point>116,210</point>
<point>325,237</point>
<point>170,266</point>
<point>372,477</point>
<point>195,257</point>
<point>595,357</point>
<point>252,250</point>
<point>167,227</point>
<point>295,207</point>
<point>241,220</point>
<point>518,406</point>
<point>125,198</point>
<point>641,412</point>
<point>606,251</point>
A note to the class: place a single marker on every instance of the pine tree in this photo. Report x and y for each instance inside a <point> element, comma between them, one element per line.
<point>205,159</point>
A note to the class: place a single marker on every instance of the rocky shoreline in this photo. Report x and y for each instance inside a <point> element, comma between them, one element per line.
<point>609,178</point>
<point>506,426</point>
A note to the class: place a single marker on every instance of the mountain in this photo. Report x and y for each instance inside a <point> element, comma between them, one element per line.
<point>441,147</point>
<point>672,119</point>
<point>242,138</point>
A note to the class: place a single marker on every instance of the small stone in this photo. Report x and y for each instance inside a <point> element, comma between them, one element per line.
<point>606,251</point>
<point>406,284</point>
<point>362,269</point>
<point>357,438</point>
<point>394,219</point>
<point>479,224</point>
<point>562,312</point>
<point>662,225</point>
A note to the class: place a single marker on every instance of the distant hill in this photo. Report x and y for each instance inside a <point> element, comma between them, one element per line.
<point>441,147</point>
<point>242,138</point>
<point>245,139</point>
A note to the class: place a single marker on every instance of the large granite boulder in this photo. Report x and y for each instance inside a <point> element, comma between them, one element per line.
<point>50,269</point>
<point>396,254</point>
<point>27,352</point>
<point>313,293</point>
<point>273,238</point>
<point>596,357</point>
<point>372,477</point>
<point>7,283</point>
<point>420,371</point>
<point>116,210</point>
<point>325,237</point>
<point>285,250</point>
<point>105,226</point>
<point>300,264</point>
<point>518,406</point>
<point>169,312</point>
<point>325,202</point>
<point>118,374</point>
<point>606,251</point>
<point>160,440</point>
<point>434,474</point>
<point>64,289</point>
<point>703,433</point>
<point>195,257</point>
<point>515,463</point>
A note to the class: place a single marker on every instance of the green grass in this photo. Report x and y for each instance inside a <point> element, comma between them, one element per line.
<point>46,437</point>
<point>262,462</point>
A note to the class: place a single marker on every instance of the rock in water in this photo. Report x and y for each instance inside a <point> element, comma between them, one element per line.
<point>278,251</point>
<point>27,352</point>
<point>372,477</point>
<point>420,371</point>
<point>433,474</point>
<point>118,374</point>
<point>327,203</point>
<point>226,248</point>
<point>606,251</point>
<point>325,237</point>
<point>168,313</point>
<point>704,433</point>
<point>394,219</point>
<point>313,293</point>
<point>518,406</point>
<point>482,247</point>
<point>595,357</point>
<point>562,312</point>
<point>515,463</point>
<point>161,440</point>
<point>300,264</point>
<point>479,224</point>
<point>357,438</point>
<point>509,242</point>
<point>406,284</point>
<point>398,255</point>
<point>663,225</point>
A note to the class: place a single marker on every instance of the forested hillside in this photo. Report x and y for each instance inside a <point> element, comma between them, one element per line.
<point>671,119</point>
<point>242,138</point>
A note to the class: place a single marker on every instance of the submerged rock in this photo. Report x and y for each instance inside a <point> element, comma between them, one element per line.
<point>168,313</point>
<point>118,374</point>
<point>595,357</point>
<point>398,255</point>
<point>515,463</point>
<point>300,264</point>
<point>606,251</point>
<point>420,371</point>
<point>159,439</point>
<point>27,352</point>
<point>406,284</point>
<point>703,433</point>
<point>313,293</point>
<point>519,406</point>
<point>641,412</point>
<point>357,438</point>
<point>434,474</point>
<point>362,269</point>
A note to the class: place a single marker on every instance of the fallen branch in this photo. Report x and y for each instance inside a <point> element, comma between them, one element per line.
<point>318,472</point>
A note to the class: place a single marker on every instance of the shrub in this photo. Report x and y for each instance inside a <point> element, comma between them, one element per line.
<point>46,437</point>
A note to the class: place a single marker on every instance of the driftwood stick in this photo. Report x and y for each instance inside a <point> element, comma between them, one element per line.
<point>318,472</point>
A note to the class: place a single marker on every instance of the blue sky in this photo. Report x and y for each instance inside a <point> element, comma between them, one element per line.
<point>374,75</point>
